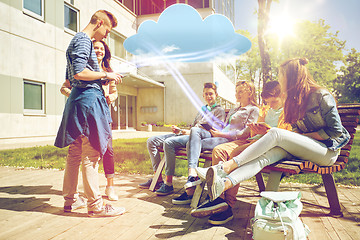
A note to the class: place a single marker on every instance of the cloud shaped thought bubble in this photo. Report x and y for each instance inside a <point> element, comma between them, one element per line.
<point>182,35</point>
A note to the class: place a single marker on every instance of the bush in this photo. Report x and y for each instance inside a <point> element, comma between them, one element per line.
<point>182,125</point>
<point>160,124</point>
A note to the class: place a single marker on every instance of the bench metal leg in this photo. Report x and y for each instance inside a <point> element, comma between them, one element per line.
<point>331,192</point>
<point>157,174</point>
<point>260,182</point>
<point>199,189</point>
<point>273,181</point>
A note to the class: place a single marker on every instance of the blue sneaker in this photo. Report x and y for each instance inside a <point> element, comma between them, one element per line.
<point>192,181</point>
<point>221,217</point>
<point>147,184</point>
<point>209,208</point>
<point>182,199</point>
<point>164,190</point>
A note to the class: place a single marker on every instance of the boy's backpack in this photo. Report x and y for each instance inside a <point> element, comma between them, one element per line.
<point>277,217</point>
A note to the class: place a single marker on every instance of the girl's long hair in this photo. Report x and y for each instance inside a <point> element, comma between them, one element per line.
<point>105,63</point>
<point>299,85</point>
<point>251,86</point>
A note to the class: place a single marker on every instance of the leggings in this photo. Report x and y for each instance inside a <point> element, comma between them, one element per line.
<point>108,161</point>
<point>276,145</point>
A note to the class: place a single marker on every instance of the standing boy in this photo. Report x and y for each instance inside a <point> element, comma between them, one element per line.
<point>86,118</point>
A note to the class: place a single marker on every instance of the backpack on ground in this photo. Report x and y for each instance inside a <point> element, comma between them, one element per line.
<point>277,217</point>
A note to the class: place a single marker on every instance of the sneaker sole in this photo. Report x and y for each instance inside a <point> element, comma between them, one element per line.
<point>164,194</point>
<point>192,184</point>
<point>213,222</point>
<point>73,209</point>
<point>181,202</point>
<point>143,187</point>
<point>95,215</point>
<point>112,198</point>
<point>200,213</point>
<point>210,178</point>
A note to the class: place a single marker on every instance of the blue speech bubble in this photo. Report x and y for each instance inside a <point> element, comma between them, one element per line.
<point>182,35</point>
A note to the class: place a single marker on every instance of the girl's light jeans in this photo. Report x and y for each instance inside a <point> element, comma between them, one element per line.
<point>276,145</point>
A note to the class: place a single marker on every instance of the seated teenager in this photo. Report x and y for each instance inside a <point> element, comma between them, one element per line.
<point>179,138</point>
<point>271,115</point>
<point>236,128</point>
<point>317,134</point>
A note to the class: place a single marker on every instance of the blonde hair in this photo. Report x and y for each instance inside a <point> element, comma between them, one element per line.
<point>299,85</point>
<point>104,15</point>
<point>251,86</point>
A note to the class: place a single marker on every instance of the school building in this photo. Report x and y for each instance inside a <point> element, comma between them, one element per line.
<point>34,35</point>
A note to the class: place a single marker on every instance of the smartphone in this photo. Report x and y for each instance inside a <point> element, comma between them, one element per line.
<point>263,124</point>
<point>206,126</point>
<point>177,128</point>
<point>124,74</point>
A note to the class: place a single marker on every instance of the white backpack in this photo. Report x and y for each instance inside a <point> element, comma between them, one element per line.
<point>277,217</point>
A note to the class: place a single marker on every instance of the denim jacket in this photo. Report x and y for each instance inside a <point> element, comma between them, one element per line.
<point>322,116</point>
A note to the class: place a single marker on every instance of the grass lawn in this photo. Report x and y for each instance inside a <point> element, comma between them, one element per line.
<point>131,156</point>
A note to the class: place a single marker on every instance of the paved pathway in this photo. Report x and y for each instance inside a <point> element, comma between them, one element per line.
<point>31,208</point>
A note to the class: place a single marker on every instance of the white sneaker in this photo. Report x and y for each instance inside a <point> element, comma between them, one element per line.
<point>79,203</point>
<point>215,183</point>
<point>201,172</point>
<point>107,211</point>
<point>110,193</point>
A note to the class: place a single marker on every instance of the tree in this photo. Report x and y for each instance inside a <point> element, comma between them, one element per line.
<point>248,65</point>
<point>263,21</point>
<point>347,84</point>
<point>316,42</point>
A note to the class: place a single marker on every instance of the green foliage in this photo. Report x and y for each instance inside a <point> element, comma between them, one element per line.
<point>131,156</point>
<point>347,84</point>
<point>182,125</point>
<point>36,157</point>
<point>160,124</point>
<point>313,40</point>
<point>249,64</point>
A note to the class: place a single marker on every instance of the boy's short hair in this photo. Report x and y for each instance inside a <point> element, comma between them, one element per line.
<point>271,89</point>
<point>210,85</point>
<point>100,14</point>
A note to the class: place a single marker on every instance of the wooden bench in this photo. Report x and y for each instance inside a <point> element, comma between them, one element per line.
<point>205,158</point>
<point>349,116</point>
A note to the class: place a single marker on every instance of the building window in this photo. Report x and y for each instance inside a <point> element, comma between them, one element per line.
<point>116,44</point>
<point>170,2</point>
<point>130,4</point>
<point>34,95</point>
<point>150,7</point>
<point>71,18</point>
<point>34,8</point>
<point>196,3</point>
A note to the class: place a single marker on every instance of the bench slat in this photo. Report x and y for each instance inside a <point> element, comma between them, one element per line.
<point>284,168</point>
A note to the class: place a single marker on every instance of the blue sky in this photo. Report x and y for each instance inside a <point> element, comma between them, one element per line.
<point>340,15</point>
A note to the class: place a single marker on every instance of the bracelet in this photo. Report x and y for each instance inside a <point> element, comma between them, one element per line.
<point>104,78</point>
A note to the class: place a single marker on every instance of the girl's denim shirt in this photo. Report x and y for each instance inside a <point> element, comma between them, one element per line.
<point>323,117</point>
